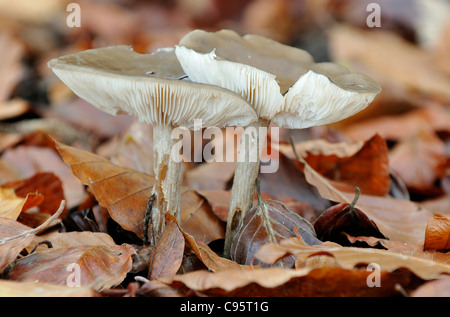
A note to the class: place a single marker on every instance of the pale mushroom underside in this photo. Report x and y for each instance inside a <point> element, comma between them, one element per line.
<point>151,87</point>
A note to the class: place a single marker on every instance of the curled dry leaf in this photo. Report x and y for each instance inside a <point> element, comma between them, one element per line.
<point>11,68</point>
<point>419,161</point>
<point>125,193</point>
<point>14,236</point>
<point>343,218</point>
<point>437,235</point>
<point>429,118</point>
<point>268,221</point>
<point>396,219</point>
<point>12,205</point>
<point>33,289</point>
<point>46,184</point>
<point>61,240</point>
<point>350,257</point>
<point>281,282</point>
<point>98,266</point>
<point>365,165</point>
<point>29,160</point>
<point>403,248</point>
<point>437,288</point>
<point>169,250</point>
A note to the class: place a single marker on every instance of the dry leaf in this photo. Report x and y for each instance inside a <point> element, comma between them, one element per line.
<point>62,240</point>
<point>12,205</point>
<point>29,160</point>
<point>168,254</point>
<point>99,266</point>
<point>437,288</point>
<point>11,68</point>
<point>419,161</point>
<point>350,257</point>
<point>437,235</point>
<point>46,184</point>
<point>396,219</point>
<point>33,289</point>
<point>430,118</point>
<point>280,282</point>
<point>400,67</point>
<point>14,236</point>
<point>368,168</point>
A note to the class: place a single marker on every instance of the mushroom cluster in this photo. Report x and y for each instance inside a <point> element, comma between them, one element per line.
<point>224,80</point>
<point>154,89</point>
<point>283,84</point>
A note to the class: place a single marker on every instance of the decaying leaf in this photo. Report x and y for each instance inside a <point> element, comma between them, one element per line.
<point>33,289</point>
<point>169,250</point>
<point>268,221</point>
<point>396,219</point>
<point>344,218</point>
<point>419,161</point>
<point>350,257</point>
<point>88,266</point>
<point>14,237</point>
<point>281,282</point>
<point>437,236</point>
<point>367,168</point>
<point>12,205</point>
<point>48,185</point>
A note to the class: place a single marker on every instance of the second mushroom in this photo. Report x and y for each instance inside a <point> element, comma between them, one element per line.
<point>283,84</point>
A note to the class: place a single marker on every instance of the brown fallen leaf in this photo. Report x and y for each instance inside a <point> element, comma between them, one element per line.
<point>344,218</point>
<point>33,289</point>
<point>60,240</point>
<point>419,161</point>
<point>402,69</point>
<point>436,288</point>
<point>396,219</point>
<point>403,248</point>
<point>168,255</point>
<point>208,257</point>
<point>218,174</point>
<point>268,221</point>
<point>367,169</point>
<point>437,235</point>
<point>13,108</point>
<point>350,257</point>
<point>126,192</point>
<point>12,205</point>
<point>14,236</point>
<point>281,282</point>
<point>430,118</point>
<point>11,68</point>
<point>46,184</point>
<point>94,266</point>
<point>29,160</point>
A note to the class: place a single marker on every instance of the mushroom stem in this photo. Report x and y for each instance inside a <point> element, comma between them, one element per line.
<point>245,175</point>
<point>167,188</point>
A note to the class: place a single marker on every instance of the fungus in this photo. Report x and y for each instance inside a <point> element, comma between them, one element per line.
<point>154,89</point>
<point>283,84</point>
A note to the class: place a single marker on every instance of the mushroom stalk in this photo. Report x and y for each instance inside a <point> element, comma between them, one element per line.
<point>245,176</point>
<point>167,188</point>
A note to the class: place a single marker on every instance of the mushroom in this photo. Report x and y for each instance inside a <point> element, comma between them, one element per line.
<point>153,88</point>
<point>284,85</point>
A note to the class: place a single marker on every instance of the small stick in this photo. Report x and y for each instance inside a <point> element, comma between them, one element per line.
<point>46,242</point>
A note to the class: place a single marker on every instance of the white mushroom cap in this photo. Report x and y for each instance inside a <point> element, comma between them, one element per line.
<point>118,80</point>
<point>282,83</point>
